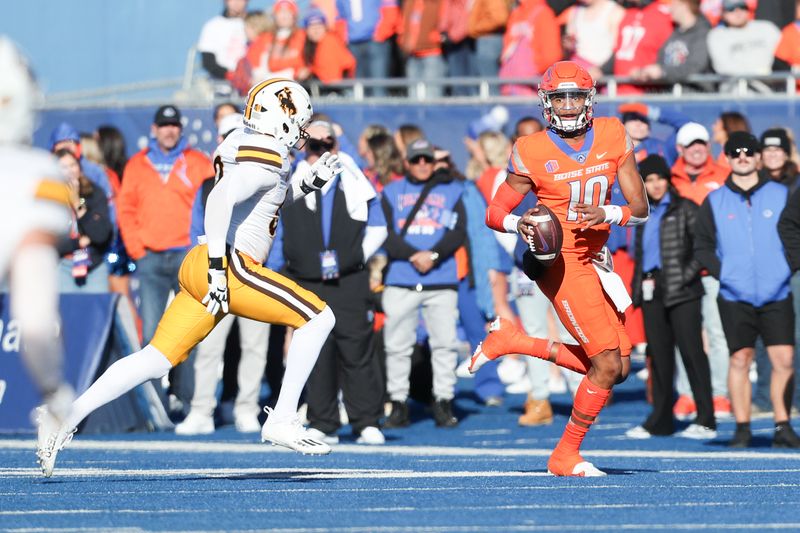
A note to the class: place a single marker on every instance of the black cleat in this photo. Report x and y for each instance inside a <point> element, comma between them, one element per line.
<point>398,418</point>
<point>443,414</point>
<point>785,437</point>
<point>741,439</point>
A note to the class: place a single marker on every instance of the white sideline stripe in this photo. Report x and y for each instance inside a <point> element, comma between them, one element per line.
<point>292,473</point>
<point>409,509</point>
<point>189,446</point>
<point>693,526</point>
<point>449,488</point>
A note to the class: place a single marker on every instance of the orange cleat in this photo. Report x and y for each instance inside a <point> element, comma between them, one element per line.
<point>684,408</point>
<point>503,336</point>
<point>722,407</point>
<point>572,466</point>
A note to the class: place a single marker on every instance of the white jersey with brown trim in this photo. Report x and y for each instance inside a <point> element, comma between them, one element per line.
<point>254,220</point>
<point>34,197</point>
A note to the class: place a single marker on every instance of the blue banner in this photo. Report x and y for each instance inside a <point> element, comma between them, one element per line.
<point>445,126</point>
<point>86,326</point>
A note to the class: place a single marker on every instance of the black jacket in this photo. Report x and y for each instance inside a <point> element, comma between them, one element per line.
<point>303,240</point>
<point>789,230</point>
<point>680,271</point>
<point>95,224</point>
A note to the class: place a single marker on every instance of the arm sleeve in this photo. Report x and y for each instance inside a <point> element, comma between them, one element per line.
<point>789,230</point>
<point>454,238</point>
<point>212,67</point>
<point>396,247</point>
<point>238,184</point>
<point>376,231</point>
<point>705,239</point>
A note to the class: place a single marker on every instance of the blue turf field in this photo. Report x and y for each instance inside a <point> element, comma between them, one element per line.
<point>487,475</point>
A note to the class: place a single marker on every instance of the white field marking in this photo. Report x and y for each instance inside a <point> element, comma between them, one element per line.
<point>480,529</point>
<point>478,432</point>
<point>449,488</point>
<point>188,446</point>
<point>291,473</point>
<point>410,509</point>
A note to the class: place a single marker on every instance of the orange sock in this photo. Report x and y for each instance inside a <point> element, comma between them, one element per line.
<point>570,356</point>
<point>589,401</point>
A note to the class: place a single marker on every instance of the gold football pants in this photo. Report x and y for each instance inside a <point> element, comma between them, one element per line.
<point>254,292</point>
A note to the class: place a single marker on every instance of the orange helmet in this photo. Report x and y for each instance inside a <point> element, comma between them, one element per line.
<point>566,79</point>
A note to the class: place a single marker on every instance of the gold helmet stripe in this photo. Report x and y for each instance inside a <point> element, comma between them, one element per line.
<point>255,90</point>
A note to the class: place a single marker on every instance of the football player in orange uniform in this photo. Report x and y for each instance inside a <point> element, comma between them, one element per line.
<point>571,167</point>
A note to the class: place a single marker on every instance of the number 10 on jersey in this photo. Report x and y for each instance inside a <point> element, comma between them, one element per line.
<point>591,192</point>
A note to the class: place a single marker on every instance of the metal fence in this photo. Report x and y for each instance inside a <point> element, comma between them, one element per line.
<point>194,88</point>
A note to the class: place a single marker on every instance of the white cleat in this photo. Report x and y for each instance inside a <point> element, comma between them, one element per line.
<point>584,469</point>
<point>478,359</point>
<point>291,434</point>
<point>51,439</point>
<point>196,424</point>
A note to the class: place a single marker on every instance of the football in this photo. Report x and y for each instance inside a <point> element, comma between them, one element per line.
<point>548,236</point>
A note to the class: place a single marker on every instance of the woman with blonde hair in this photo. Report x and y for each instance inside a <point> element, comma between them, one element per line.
<point>385,164</point>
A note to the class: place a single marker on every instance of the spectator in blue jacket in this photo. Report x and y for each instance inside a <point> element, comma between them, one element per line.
<point>427,223</point>
<point>737,241</point>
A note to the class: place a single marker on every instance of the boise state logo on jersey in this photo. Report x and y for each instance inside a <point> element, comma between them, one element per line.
<point>551,166</point>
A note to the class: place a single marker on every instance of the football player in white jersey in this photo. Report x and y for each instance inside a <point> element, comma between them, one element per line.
<point>36,211</point>
<point>226,274</point>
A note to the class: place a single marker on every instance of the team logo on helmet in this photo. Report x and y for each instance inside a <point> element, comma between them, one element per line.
<point>286,102</point>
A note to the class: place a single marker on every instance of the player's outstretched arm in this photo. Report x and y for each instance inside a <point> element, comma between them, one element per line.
<point>315,176</point>
<point>508,196</point>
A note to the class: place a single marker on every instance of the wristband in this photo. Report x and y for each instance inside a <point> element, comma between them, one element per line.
<point>621,215</point>
<point>511,223</point>
<point>218,263</point>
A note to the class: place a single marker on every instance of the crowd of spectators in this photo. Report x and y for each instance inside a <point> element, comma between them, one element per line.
<point>648,43</point>
<point>398,247</point>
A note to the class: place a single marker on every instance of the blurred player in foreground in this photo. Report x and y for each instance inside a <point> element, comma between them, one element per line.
<point>571,167</point>
<point>36,211</point>
<point>226,274</point>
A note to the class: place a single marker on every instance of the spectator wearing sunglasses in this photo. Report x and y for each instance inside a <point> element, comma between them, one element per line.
<point>326,241</point>
<point>427,224</point>
<point>737,240</point>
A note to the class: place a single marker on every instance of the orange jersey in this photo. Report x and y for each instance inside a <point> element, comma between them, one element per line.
<point>563,176</point>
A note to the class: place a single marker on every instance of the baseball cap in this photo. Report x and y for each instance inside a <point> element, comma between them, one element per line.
<point>690,133</point>
<point>776,137</point>
<point>739,140</point>
<point>314,16</point>
<point>228,123</point>
<point>654,164</point>
<point>64,132</point>
<point>167,114</point>
<point>730,5</point>
<point>420,147</point>
<point>289,4</point>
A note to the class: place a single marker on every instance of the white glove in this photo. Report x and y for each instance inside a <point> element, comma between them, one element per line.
<point>323,170</point>
<point>217,297</point>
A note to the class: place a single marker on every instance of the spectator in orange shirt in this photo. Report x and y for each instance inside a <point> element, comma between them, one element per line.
<point>279,53</point>
<point>421,43</point>
<point>695,174</point>
<point>324,52</point>
<point>787,55</point>
<point>532,43</point>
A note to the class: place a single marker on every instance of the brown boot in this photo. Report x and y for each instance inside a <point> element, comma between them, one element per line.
<point>537,413</point>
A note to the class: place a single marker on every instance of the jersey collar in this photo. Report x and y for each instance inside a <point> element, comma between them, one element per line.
<point>579,156</point>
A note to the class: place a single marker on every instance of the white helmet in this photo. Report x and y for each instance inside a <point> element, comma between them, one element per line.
<point>19,94</point>
<point>279,107</point>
